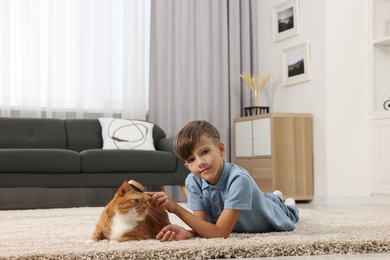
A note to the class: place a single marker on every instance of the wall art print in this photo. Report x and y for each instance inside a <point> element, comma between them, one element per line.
<point>285,20</point>
<point>296,64</point>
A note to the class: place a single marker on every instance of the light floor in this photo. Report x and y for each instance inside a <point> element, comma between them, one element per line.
<point>363,210</point>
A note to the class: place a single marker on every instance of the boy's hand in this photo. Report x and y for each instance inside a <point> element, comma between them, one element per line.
<point>161,200</point>
<point>173,233</point>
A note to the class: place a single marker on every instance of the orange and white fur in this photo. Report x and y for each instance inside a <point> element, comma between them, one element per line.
<point>129,216</point>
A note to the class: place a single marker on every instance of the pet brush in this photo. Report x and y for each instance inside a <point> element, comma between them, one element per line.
<point>136,186</point>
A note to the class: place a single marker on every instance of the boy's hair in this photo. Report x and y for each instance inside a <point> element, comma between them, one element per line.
<point>187,137</point>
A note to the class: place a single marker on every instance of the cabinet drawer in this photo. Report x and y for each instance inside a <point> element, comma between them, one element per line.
<point>263,167</point>
<point>245,163</point>
<point>262,174</point>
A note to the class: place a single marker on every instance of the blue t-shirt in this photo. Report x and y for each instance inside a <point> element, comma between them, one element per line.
<point>235,189</point>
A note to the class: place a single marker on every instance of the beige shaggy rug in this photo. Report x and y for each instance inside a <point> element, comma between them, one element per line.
<point>64,234</point>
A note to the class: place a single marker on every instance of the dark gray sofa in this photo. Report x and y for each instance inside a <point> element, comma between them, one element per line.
<point>55,153</point>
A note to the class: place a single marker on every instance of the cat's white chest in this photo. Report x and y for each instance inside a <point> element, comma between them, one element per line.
<point>122,223</point>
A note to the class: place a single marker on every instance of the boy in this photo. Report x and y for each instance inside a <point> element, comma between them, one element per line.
<point>223,196</point>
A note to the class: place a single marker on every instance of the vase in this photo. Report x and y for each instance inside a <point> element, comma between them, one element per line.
<point>256,98</point>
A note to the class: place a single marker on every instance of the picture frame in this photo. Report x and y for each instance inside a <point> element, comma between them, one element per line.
<point>296,64</point>
<point>285,18</point>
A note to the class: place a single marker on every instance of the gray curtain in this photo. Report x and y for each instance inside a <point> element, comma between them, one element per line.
<point>199,48</point>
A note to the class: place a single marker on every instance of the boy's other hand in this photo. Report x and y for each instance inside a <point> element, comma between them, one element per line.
<point>173,233</point>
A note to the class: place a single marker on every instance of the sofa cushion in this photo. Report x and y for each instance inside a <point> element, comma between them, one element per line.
<point>158,134</point>
<point>83,134</point>
<point>39,161</point>
<point>98,160</point>
<point>126,134</point>
<point>32,133</point>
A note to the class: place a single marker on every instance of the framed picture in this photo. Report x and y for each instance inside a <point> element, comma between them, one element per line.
<point>296,64</point>
<point>285,18</point>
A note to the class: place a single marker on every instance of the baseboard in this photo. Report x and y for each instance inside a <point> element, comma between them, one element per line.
<point>340,200</point>
<point>383,199</point>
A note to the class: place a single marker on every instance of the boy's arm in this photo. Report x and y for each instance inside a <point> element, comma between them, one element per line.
<point>201,214</point>
<point>174,232</point>
<point>199,224</point>
<point>198,221</point>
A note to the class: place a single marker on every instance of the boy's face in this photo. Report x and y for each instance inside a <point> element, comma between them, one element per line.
<point>206,160</point>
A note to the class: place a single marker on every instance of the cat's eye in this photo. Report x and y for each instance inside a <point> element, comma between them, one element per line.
<point>137,200</point>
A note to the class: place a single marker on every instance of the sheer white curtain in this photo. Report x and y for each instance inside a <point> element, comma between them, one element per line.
<point>74,58</point>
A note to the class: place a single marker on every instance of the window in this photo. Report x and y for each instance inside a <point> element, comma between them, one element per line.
<point>72,56</point>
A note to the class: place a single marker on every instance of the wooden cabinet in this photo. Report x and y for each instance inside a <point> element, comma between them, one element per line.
<point>277,150</point>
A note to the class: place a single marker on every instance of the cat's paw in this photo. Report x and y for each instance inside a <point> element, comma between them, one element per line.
<point>90,241</point>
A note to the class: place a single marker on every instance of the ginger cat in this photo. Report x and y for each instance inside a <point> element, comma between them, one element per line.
<point>129,216</point>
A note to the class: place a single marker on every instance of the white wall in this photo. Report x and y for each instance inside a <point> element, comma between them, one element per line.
<point>347,100</point>
<point>336,95</point>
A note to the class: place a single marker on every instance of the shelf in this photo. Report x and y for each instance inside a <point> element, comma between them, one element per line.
<point>383,41</point>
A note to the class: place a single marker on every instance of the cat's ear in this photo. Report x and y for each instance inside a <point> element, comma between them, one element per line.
<point>123,188</point>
